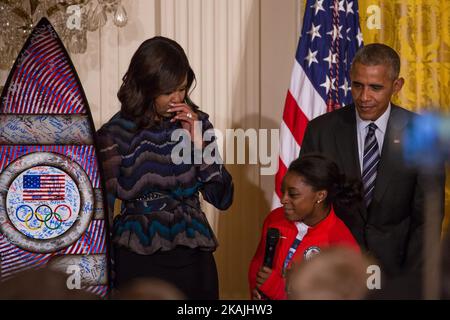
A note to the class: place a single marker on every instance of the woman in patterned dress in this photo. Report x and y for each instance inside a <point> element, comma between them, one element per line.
<point>161,231</point>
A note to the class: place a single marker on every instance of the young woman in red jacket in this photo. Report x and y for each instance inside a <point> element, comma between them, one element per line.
<point>312,188</point>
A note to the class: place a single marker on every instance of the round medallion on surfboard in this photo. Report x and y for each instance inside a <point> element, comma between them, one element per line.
<point>49,202</point>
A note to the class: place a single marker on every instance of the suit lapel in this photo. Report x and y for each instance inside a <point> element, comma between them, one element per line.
<point>390,154</point>
<point>347,144</point>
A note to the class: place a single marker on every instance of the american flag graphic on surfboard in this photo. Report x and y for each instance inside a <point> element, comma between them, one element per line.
<point>37,187</point>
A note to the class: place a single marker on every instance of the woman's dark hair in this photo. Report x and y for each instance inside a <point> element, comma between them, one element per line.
<point>159,66</point>
<point>323,174</point>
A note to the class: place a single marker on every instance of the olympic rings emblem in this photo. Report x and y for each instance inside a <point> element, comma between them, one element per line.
<point>44,215</point>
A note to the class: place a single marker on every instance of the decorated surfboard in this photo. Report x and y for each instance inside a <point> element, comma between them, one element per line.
<point>51,200</point>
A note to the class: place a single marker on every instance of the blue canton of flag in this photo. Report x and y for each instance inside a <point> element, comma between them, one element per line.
<point>330,38</point>
<point>31,181</point>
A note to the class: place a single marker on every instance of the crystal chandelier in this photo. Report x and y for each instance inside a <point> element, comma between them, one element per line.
<point>72,19</point>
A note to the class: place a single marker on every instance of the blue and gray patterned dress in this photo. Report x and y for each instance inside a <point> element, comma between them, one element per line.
<point>160,199</point>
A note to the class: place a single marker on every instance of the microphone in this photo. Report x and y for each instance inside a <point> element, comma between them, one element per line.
<point>272,237</point>
<point>273,234</point>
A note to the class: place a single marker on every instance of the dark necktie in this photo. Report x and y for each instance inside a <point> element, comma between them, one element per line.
<point>371,159</point>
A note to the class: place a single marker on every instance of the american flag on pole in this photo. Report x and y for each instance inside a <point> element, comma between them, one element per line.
<point>320,83</point>
<point>39,187</point>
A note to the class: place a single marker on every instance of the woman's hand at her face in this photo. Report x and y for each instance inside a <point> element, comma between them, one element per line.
<point>188,118</point>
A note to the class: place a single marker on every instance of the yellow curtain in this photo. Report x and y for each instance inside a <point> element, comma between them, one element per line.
<point>419,30</point>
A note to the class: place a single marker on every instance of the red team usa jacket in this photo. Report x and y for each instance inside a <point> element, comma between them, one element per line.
<point>328,232</point>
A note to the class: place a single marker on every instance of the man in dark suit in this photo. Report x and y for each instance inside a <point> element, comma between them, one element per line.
<point>365,139</point>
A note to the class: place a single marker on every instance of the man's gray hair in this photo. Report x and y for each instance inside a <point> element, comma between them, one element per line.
<point>375,54</point>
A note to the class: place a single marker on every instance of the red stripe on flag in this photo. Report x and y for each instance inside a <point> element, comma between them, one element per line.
<point>294,118</point>
<point>279,177</point>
